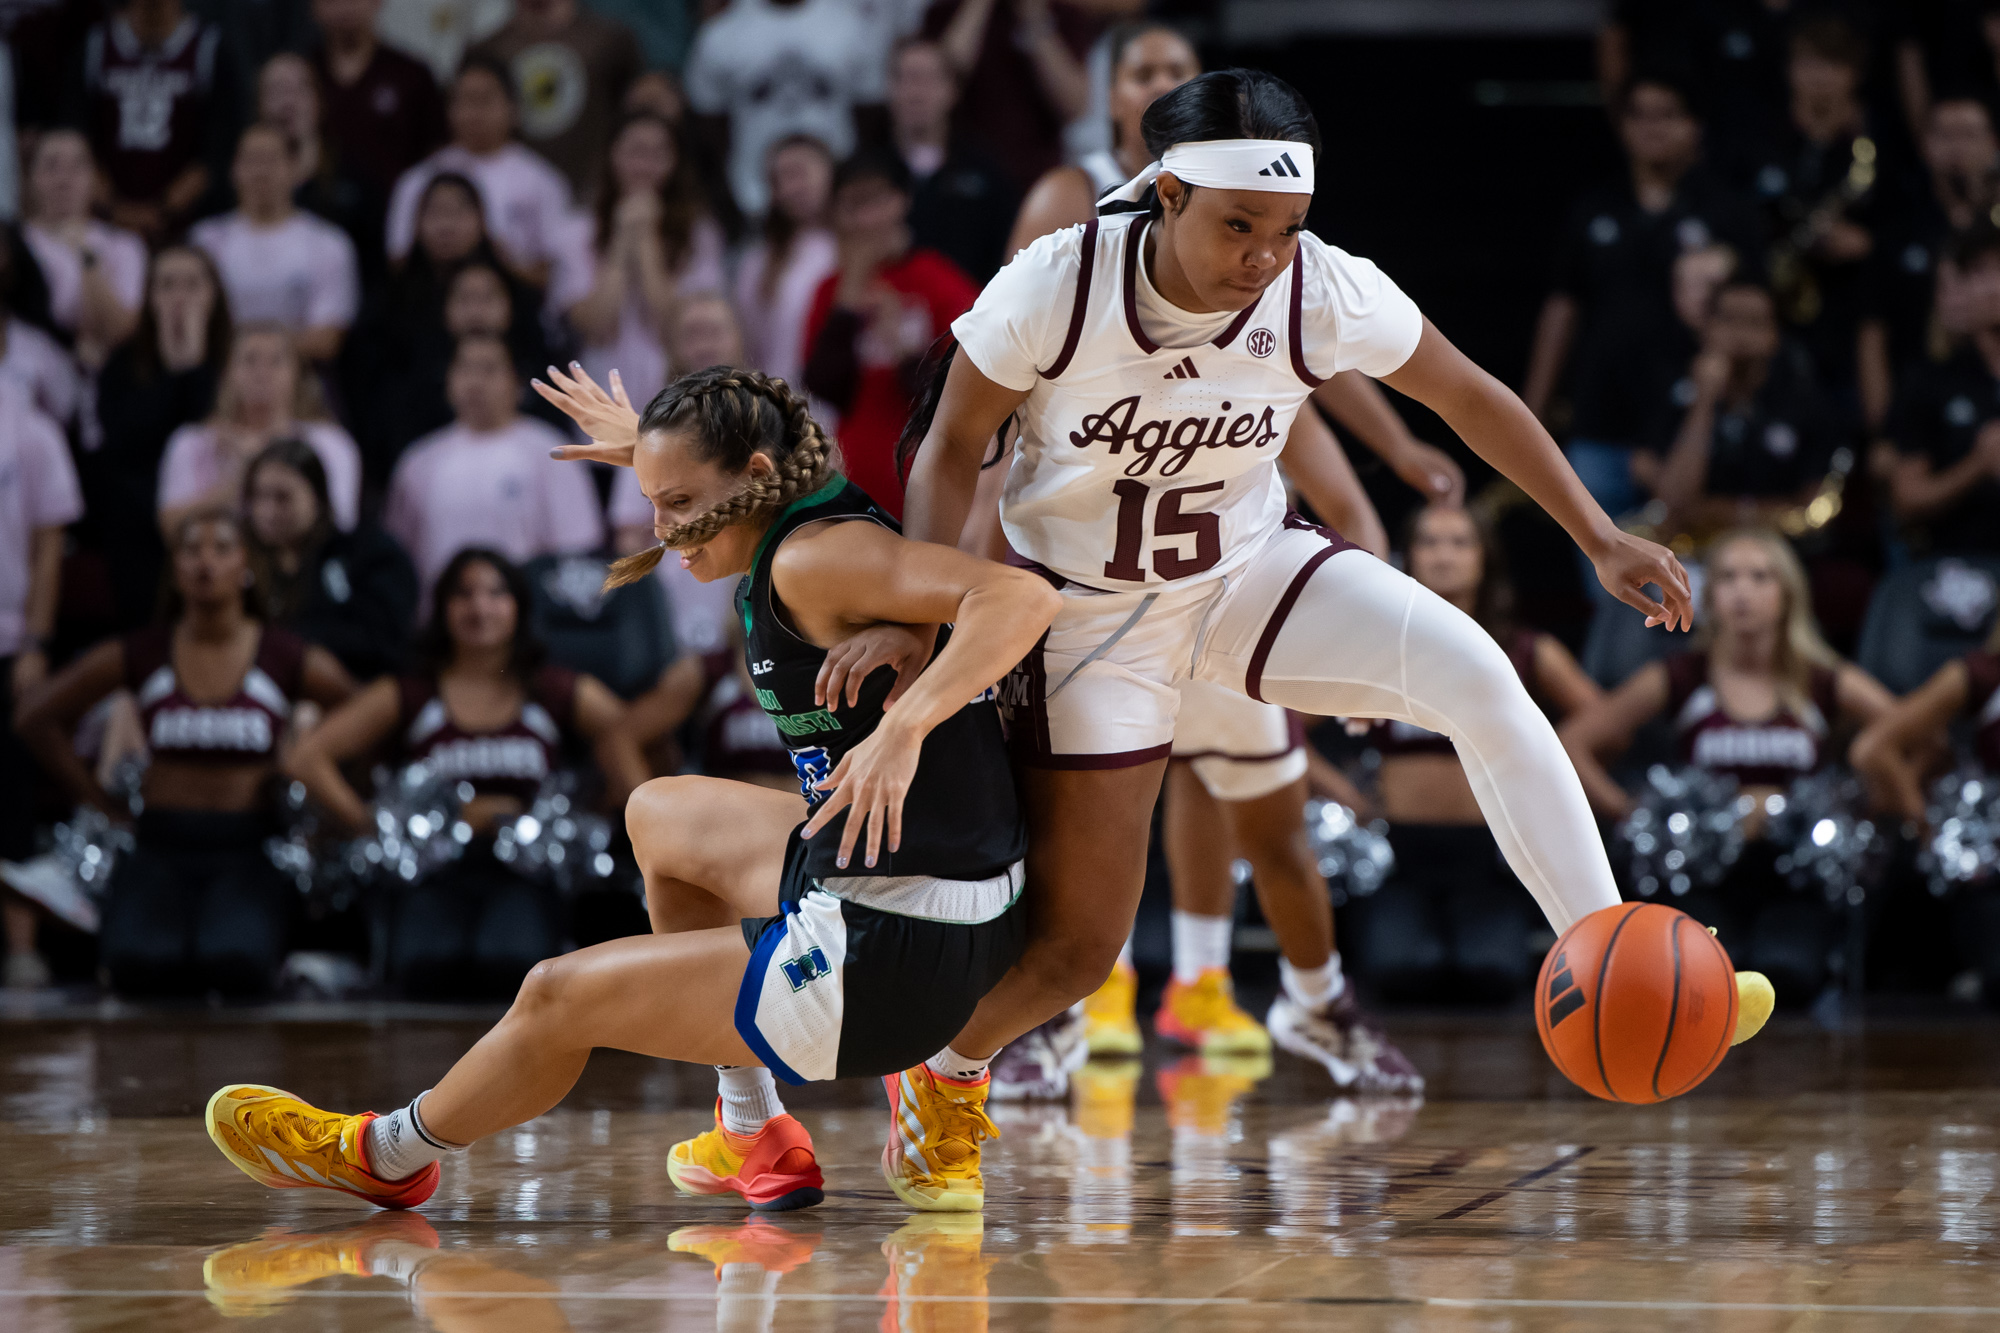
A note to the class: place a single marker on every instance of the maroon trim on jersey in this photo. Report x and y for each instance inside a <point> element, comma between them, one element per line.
<point>1236,325</point>
<point>1131,291</point>
<point>1079,305</point>
<point>1253,679</point>
<point>1297,323</point>
<point>1073,763</point>
<point>1018,561</point>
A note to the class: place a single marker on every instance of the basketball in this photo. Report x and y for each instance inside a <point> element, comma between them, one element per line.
<point>1636,1003</point>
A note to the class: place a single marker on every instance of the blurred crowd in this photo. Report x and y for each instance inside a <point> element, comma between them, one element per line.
<point>279,526</point>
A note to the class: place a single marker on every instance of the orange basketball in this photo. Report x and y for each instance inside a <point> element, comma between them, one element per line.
<point>1636,1003</point>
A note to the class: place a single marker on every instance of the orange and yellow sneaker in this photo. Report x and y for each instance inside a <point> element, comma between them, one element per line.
<point>257,1276</point>
<point>1204,1016</point>
<point>278,1140</point>
<point>936,1125</point>
<point>755,1241</point>
<point>1111,1015</point>
<point>773,1170</point>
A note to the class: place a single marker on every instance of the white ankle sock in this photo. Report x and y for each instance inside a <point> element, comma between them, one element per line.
<point>1200,943</point>
<point>398,1146</point>
<point>749,1098</point>
<point>961,1067</point>
<point>1313,987</point>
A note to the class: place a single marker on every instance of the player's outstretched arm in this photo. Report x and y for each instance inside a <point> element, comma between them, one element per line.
<point>945,474</point>
<point>1500,429</point>
<point>842,577</point>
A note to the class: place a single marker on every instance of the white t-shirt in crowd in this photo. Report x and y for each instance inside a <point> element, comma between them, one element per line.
<point>438,31</point>
<point>195,463</point>
<point>38,489</point>
<point>301,274</point>
<point>121,257</point>
<point>39,364</point>
<point>528,212</point>
<point>1179,413</point>
<point>637,350</point>
<point>777,70</point>
<point>456,488</point>
<point>774,331</point>
<point>700,612</point>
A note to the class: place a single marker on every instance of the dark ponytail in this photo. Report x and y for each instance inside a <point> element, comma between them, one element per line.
<point>1226,104</point>
<point>936,370</point>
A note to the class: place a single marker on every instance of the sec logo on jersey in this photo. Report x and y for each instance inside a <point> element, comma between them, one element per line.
<point>1261,343</point>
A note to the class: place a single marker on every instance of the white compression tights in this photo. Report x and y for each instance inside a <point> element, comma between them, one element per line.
<point>1364,640</point>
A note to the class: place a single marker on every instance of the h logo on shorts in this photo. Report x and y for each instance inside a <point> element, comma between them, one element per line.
<point>808,966</point>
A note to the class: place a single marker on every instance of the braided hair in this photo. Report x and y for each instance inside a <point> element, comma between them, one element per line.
<point>732,414</point>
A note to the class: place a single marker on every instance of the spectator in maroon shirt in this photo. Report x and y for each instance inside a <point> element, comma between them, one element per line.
<point>159,96</point>
<point>876,317</point>
<point>1021,75</point>
<point>383,113</point>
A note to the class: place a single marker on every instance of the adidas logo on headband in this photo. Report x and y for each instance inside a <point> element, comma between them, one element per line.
<point>1284,166</point>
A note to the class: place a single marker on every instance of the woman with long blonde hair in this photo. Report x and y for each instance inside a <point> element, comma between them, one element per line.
<point>267,393</point>
<point>1760,697</point>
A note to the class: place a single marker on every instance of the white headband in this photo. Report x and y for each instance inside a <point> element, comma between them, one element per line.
<point>1277,165</point>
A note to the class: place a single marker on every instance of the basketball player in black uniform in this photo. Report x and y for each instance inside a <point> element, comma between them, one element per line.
<point>853,943</point>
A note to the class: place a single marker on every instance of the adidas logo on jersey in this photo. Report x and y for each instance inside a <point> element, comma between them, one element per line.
<point>1184,371</point>
<point>1284,166</point>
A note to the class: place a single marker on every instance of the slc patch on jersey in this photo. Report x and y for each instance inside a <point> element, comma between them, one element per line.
<point>808,967</point>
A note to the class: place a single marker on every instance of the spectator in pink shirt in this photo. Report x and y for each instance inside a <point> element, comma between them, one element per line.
<point>38,499</point>
<point>655,243</point>
<point>265,395</point>
<point>96,272</point>
<point>28,355</point>
<point>487,479</point>
<point>779,275</point>
<point>528,207</point>
<point>279,263</point>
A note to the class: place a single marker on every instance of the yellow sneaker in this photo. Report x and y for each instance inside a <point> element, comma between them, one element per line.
<point>773,1170</point>
<point>257,1276</point>
<point>1111,1016</point>
<point>278,1140</point>
<point>1204,1016</point>
<point>936,1125</point>
<point>1755,999</point>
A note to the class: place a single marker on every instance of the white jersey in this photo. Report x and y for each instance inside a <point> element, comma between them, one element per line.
<point>1147,465</point>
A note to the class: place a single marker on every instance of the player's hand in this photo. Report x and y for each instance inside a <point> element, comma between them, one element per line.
<point>1430,472</point>
<point>607,418</point>
<point>1625,564</point>
<point>907,648</point>
<point>871,781</point>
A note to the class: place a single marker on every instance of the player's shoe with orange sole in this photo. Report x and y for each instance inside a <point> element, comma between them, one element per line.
<point>257,1276</point>
<point>1111,1015</point>
<point>1204,1016</point>
<point>773,1170</point>
<point>278,1140</point>
<point>936,1125</point>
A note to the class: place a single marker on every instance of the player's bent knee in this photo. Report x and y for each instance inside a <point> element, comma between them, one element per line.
<point>547,995</point>
<point>659,818</point>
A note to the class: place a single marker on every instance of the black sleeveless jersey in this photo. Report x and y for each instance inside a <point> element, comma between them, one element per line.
<point>961,818</point>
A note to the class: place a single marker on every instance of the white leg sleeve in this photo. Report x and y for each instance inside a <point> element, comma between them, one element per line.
<point>1364,640</point>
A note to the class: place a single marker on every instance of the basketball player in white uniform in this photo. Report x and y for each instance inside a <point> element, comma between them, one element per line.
<point>1153,363</point>
<point>1237,788</point>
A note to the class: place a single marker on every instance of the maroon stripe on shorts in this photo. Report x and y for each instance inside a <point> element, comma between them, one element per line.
<point>1078,306</point>
<point>1253,679</point>
<point>1116,759</point>
<point>1240,758</point>
<point>1297,324</point>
